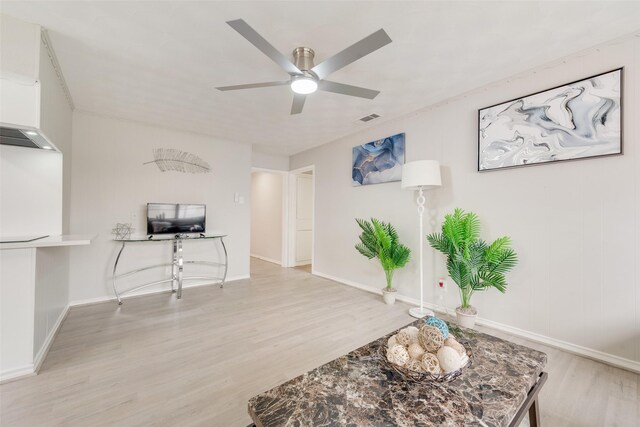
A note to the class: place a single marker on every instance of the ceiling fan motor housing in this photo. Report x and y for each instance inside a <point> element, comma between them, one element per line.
<point>303,59</point>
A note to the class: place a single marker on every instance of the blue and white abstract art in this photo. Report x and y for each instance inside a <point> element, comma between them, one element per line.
<point>378,161</point>
<point>578,120</point>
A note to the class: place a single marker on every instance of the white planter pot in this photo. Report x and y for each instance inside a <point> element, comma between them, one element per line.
<point>466,320</point>
<point>389,296</point>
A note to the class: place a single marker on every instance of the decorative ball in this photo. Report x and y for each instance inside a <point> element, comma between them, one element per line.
<point>404,337</point>
<point>430,363</point>
<point>451,342</point>
<point>392,341</point>
<point>449,359</point>
<point>414,365</point>
<point>415,350</point>
<point>398,355</point>
<point>430,338</point>
<point>413,332</point>
<point>438,323</point>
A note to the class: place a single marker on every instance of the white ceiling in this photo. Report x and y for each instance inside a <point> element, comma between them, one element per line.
<point>158,62</point>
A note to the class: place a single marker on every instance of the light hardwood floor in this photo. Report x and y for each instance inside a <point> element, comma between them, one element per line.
<point>158,361</point>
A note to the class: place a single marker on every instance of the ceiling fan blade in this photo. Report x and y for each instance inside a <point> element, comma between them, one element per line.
<point>298,103</point>
<point>254,85</point>
<point>265,47</point>
<point>351,54</point>
<point>343,89</point>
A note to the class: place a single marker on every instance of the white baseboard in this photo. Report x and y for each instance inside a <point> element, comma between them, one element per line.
<point>610,359</point>
<point>44,350</point>
<point>16,374</point>
<point>264,258</point>
<point>33,368</point>
<point>98,300</point>
<point>589,353</point>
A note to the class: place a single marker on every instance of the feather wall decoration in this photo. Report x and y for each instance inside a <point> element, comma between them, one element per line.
<point>172,159</point>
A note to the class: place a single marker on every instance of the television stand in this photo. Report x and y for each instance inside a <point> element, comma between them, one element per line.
<point>177,263</point>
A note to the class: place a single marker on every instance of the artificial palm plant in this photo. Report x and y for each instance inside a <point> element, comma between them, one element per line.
<point>380,240</point>
<point>471,262</point>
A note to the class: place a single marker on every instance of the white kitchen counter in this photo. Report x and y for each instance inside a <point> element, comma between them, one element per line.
<point>60,240</point>
<point>34,298</point>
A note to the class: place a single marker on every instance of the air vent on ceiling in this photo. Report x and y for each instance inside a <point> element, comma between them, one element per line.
<point>23,138</point>
<point>369,117</point>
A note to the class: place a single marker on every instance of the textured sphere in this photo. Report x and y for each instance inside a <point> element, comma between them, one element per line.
<point>449,359</point>
<point>413,332</point>
<point>392,341</point>
<point>414,365</point>
<point>430,363</point>
<point>404,337</point>
<point>430,338</point>
<point>398,355</point>
<point>438,323</point>
<point>451,342</point>
<point>415,350</point>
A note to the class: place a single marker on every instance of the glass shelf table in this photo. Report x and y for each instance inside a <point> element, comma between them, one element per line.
<point>177,263</point>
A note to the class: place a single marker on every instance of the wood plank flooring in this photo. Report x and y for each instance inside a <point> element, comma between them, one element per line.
<point>196,362</point>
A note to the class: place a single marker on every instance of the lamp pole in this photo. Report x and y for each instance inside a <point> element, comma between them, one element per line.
<point>421,312</point>
<point>421,175</point>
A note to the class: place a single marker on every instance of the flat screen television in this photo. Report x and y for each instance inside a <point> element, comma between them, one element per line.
<point>171,218</point>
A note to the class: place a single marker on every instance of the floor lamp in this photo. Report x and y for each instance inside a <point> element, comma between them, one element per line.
<point>421,175</point>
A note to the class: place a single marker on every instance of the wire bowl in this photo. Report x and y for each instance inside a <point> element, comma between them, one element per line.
<point>416,376</point>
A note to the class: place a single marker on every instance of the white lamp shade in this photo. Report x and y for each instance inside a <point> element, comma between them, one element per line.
<point>421,173</point>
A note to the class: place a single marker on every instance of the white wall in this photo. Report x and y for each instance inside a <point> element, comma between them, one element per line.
<point>112,184</point>
<point>575,225</point>
<point>55,124</point>
<point>266,215</point>
<point>30,191</point>
<point>52,264</point>
<point>269,161</point>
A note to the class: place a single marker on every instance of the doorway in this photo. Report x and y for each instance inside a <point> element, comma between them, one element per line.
<point>268,215</point>
<point>301,223</point>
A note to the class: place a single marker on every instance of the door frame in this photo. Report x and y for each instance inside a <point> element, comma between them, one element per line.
<point>291,231</point>
<point>284,255</point>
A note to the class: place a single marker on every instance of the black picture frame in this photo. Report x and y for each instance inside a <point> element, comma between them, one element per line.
<point>619,153</point>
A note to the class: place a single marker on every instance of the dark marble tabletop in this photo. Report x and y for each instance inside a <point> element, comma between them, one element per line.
<point>359,390</point>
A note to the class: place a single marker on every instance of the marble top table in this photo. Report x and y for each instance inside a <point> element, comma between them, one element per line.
<point>359,390</point>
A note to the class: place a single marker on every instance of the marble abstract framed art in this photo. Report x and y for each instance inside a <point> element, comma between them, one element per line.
<point>378,161</point>
<point>578,120</point>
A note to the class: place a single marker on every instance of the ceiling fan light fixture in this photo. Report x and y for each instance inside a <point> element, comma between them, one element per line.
<point>304,85</point>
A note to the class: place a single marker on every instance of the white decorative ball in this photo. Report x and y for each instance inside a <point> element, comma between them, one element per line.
<point>414,365</point>
<point>430,363</point>
<point>413,332</point>
<point>403,337</point>
<point>451,342</point>
<point>415,350</point>
<point>449,359</point>
<point>398,355</point>
<point>392,341</point>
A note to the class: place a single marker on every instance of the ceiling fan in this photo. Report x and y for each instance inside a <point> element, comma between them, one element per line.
<point>306,77</point>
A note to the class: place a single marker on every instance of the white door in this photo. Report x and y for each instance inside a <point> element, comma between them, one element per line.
<point>304,219</point>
